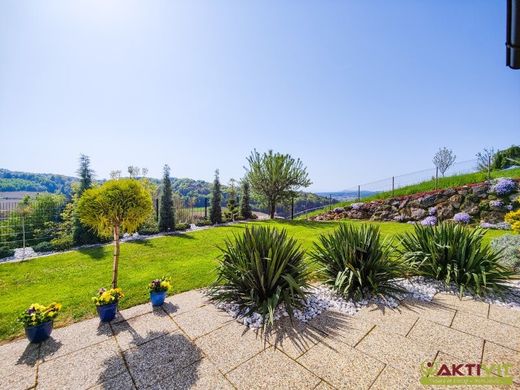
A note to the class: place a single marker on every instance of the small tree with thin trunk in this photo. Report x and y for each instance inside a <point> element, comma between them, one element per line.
<point>274,176</point>
<point>166,210</point>
<point>116,207</point>
<point>444,159</point>
<point>215,214</point>
<point>245,199</point>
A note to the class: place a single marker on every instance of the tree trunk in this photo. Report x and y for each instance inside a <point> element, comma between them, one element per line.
<point>116,256</point>
<point>272,209</point>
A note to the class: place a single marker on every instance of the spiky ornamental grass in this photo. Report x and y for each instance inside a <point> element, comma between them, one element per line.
<point>356,263</point>
<point>453,253</point>
<point>259,270</point>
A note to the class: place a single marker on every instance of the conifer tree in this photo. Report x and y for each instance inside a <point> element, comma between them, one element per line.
<point>215,214</point>
<point>245,206</point>
<point>81,234</point>
<point>232,203</point>
<point>166,209</point>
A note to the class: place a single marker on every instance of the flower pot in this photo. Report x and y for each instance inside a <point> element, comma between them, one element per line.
<point>39,333</point>
<point>107,312</point>
<point>157,298</point>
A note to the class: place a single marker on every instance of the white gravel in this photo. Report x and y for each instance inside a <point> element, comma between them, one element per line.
<point>322,298</point>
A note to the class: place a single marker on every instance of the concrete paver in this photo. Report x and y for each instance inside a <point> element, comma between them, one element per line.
<point>190,344</point>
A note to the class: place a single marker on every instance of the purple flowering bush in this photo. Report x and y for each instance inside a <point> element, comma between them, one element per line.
<point>464,218</point>
<point>429,221</point>
<point>432,210</point>
<point>497,226</point>
<point>503,186</point>
<point>496,204</point>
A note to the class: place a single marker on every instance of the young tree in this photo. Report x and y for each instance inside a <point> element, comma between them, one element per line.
<point>485,159</point>
<point>133,171</point>
<point>116,207</point>
<point>85,173</point>
<point>232,206</point>
<point>274,176</point>
<point>444,159</point>
<point>215,214</point>
<point>166,210</point>
<point>245,206</point>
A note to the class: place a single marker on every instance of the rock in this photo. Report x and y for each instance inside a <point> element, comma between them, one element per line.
<point>445,211</point>
<point>418,214</point>
<point>338,210</point>
<point>456,201</point>
<point>428,200</point>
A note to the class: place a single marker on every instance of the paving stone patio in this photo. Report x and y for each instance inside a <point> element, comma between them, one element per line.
<point>188,343</point>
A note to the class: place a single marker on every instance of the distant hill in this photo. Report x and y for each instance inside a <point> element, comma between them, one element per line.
<point>189,189</point>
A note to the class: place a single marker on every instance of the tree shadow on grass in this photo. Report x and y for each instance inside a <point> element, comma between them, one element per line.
<point>97,252</point>
<point>157,360</point>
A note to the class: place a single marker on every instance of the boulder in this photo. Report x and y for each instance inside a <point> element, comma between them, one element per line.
<point>418,214</point>
<point>456,201</point>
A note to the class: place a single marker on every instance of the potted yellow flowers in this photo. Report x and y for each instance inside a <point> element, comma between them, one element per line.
<point>158,289</point>
<point>106,303</point>
<point>38,321</point>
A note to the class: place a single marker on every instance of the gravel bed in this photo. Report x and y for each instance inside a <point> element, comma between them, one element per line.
<point>322,298</point>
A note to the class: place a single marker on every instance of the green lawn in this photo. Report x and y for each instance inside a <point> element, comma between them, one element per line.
<point>425,186</point>
<point>73,278</point>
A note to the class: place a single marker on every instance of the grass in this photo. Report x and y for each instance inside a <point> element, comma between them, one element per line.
<point>425,186</point>
<point>73,278</point>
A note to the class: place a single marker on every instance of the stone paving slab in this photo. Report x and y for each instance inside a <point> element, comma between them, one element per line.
<point>499,333</point>
<point>231,345</point>
<point>448,340</point>
<point>82,369</point>
<point>466,304</point>
<point>341,365</point>
<point>18,365</point>
<point>202,321</point>
<point>272,369</point>
<point>141,329</point>
<point>505,315</point>
<point>189,343</point>
<point>399,352</point>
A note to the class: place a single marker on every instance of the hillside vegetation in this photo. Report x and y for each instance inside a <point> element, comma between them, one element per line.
<point>429,185</point>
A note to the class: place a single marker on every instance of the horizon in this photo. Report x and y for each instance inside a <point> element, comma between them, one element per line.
<point>359,92</point>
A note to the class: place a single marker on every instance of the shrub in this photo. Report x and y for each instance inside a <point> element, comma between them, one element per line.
<point>497,226</point>
<point>463,218</point>
<point>203,222</point>
<point>38,314</point>
<point>260,270</point>
<point>455,254</point>
<point>503,186</point>
<point>6,252</point>
<point>44,246</point>
<point>356,263</point>
<point>182,226</point>
<point>509,246</point>
<point>62,243</point>
<point>513,218</point>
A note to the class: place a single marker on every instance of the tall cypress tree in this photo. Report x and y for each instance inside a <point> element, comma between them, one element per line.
<point>81,234</point>
<point>215,214</point>
<point>232,203</point>
<point>166,211</point>
<point>245,206</point>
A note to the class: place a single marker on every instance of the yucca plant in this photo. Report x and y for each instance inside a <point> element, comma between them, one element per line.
<point>259,270</point>
<point>356,263</point>
<point>454,253</point>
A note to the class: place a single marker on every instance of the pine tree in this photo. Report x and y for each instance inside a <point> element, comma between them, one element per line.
<point>82,235</point>
<point>232,203</point>
<point>85,174</point>
<point>215,214</point>
<point>245,206</point>
<point>166,210</point>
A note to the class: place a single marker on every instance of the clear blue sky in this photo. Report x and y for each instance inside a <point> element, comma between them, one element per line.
<point>359,90</point>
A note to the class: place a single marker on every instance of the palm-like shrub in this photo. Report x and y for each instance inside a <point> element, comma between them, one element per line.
<point>356,263</point>
<point>455,254</point>
<point>259,270</point>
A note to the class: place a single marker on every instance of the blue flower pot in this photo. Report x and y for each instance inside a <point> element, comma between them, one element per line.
<point>37,334</point>
<point>107,312</point>
<point>157,298</point>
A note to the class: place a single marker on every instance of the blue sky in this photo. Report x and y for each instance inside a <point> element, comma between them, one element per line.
<point>359,90</point>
